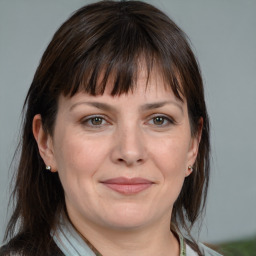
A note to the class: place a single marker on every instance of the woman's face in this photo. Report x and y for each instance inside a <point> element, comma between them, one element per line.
<point>122,160</point>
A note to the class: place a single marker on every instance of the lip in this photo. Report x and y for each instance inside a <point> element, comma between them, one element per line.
<point>128,186</point>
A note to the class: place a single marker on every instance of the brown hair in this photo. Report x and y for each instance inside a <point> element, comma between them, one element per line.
<point>107,38</point>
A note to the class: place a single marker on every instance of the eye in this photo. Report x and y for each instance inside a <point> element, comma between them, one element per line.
<point>161,121</point>
<point>94,121</point>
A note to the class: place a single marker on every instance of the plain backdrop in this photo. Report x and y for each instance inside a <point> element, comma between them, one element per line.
<point>223,36</point>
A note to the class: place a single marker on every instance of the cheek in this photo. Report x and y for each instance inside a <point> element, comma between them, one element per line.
<point>77,160</point>
<point>170,155</point>
<point>74,150</point>
<point>170,158</point>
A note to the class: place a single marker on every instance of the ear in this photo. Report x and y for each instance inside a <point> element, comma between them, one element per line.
<point>44,143</point>
<point>193,147</point>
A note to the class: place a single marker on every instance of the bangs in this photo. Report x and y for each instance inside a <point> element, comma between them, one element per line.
<point>120,75</point>
<point>112,51</point>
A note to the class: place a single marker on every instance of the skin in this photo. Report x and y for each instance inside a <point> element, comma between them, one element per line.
<point>143,134</point>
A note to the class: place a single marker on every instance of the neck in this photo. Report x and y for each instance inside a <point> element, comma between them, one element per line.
<point>153,240</point>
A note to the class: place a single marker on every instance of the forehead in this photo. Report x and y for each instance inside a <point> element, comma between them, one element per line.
<point>143,81</point>
<point>148,88</point>
<point>139,79</point>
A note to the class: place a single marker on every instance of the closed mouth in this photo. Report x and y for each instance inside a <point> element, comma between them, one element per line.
<point>128,186</point>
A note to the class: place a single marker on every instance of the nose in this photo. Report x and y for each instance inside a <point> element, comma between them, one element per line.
<point>129,146</point>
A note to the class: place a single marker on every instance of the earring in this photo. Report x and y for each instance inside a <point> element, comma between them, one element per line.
<point>48,167</point>
<point>190,168</point>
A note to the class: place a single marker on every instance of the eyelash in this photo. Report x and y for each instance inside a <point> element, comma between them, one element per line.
<point>166,121</point>
<point>88,121</point>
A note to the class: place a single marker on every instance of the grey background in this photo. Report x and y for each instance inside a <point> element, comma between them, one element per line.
<point>223,34</point>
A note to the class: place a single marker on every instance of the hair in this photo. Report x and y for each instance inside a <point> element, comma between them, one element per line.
<point>102,41</point>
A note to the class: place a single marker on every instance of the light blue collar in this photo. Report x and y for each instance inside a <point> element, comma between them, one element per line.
<point>69,241</point>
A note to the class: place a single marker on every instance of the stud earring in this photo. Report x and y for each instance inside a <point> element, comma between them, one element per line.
<point>190,168</point>
<point>48,167</point>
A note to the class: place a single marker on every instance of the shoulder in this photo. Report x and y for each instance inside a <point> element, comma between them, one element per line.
<point>207,251</point>
<point>204,249</point>
<point>5,251</point>
<point>19,247</point>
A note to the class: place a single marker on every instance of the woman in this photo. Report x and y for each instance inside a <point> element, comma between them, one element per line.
<point>115,146</point>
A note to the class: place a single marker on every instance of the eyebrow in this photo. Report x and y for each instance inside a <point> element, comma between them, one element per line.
<point>155,105</point>
<point>99,105</point>
<point>145,107</point>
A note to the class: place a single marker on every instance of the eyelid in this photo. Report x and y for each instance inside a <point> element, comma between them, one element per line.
<point>84,121</point>
<point>170,119</point>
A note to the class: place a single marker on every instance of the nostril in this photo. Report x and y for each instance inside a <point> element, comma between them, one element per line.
<point>130,161</point>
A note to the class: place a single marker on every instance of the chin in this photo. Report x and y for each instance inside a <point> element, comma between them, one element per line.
<point>126,224</point>
<point>127,218</point>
